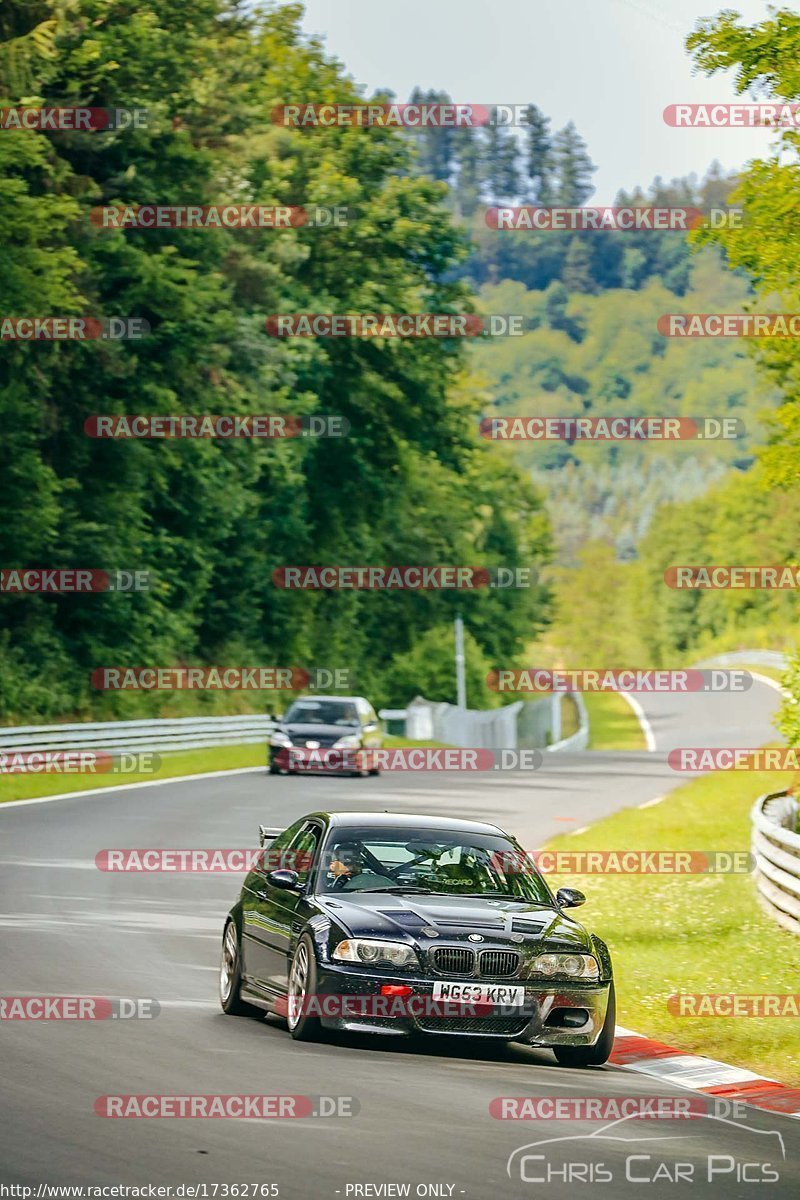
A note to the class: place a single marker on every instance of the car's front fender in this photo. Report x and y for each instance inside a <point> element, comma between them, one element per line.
<point>603,956</point>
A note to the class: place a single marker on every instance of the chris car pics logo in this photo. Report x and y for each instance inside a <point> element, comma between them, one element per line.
<point>625,1152</point>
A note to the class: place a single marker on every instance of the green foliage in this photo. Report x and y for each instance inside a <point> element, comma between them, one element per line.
<point>789,714</point>
<point>765,59</point>
<point>602,355</point>
<point>612,613</point>
<point>211,520</point>
<point>428,669</point>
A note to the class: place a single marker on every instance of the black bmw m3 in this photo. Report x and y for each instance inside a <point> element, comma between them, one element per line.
<point>394,924</point>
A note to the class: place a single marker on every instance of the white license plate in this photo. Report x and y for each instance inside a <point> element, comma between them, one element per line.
<point>479,993</point>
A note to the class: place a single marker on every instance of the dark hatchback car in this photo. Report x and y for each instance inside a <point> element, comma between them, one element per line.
<point>328,734</point>
<point>394,924</point>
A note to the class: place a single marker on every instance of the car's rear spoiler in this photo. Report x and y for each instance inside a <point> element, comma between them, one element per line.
<point>265,834</point>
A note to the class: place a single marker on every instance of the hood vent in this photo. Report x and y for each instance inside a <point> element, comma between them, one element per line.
<point>522,925</point>
<point>403,917</point>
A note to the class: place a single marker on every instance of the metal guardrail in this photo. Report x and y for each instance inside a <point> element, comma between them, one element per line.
<point>580,739</point>
<point>525,724</point>
<point>180,733</point>
<point>776,848</point>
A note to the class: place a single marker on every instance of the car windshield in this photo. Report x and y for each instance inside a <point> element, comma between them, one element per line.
<point>322,712</point>
<point>437,861</point>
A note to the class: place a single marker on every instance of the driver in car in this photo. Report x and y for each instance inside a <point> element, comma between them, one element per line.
<point>345,864</point>
<point>348,869</point>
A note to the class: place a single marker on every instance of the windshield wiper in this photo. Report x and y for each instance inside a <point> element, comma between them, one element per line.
<point>491,895</point>
<point>408,888</point>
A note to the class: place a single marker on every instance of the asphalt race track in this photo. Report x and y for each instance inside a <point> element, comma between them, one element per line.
<point>68,928</point>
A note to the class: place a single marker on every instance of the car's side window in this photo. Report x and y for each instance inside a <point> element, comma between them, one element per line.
<point>302,851</point>
<point>276,855</point>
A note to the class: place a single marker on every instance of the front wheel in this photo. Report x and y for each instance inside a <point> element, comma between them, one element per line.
<point>230,977</point>
<point>596,1055</point>
<point>304,1026</point>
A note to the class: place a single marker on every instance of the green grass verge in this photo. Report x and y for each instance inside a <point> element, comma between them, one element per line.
<point>612,723</point>
<point>694,933</point>
<point>180,762</point>
<point>570,717</point>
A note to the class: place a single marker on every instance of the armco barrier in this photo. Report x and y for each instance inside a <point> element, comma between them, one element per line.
<point>525,724</point>
<point>181,733</point>
<point>580,739</point>
<point>491,729</point>
<point>776,847</point>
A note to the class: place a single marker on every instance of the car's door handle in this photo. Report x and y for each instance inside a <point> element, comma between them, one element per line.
<point>263,894</point>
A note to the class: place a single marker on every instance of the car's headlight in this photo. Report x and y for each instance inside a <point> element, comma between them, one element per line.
<point>351,742</point>
<point>573,966</point>
<point>370,952</point>
<point>279,739</point>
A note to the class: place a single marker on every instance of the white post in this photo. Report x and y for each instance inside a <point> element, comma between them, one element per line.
<point>461,684</point>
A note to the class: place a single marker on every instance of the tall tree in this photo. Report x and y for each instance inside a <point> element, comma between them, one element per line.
<point>468,184</point>
<point>210,519</point>
<point>501,161</point>
<point>538,155</point>
<point>764,58</point>
<point>573,167</point>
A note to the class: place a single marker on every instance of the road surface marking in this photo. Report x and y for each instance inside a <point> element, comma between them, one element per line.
<point>647,729</point>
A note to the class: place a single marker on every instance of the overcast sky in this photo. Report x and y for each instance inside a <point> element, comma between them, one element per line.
<point>612,66</point>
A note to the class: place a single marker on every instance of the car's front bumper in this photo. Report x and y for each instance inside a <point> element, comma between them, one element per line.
<point>325,760</point>
<point>553,1014</point>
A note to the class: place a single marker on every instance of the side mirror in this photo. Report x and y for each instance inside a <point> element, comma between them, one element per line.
<point>570,898</point>
<point>288,881</point>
